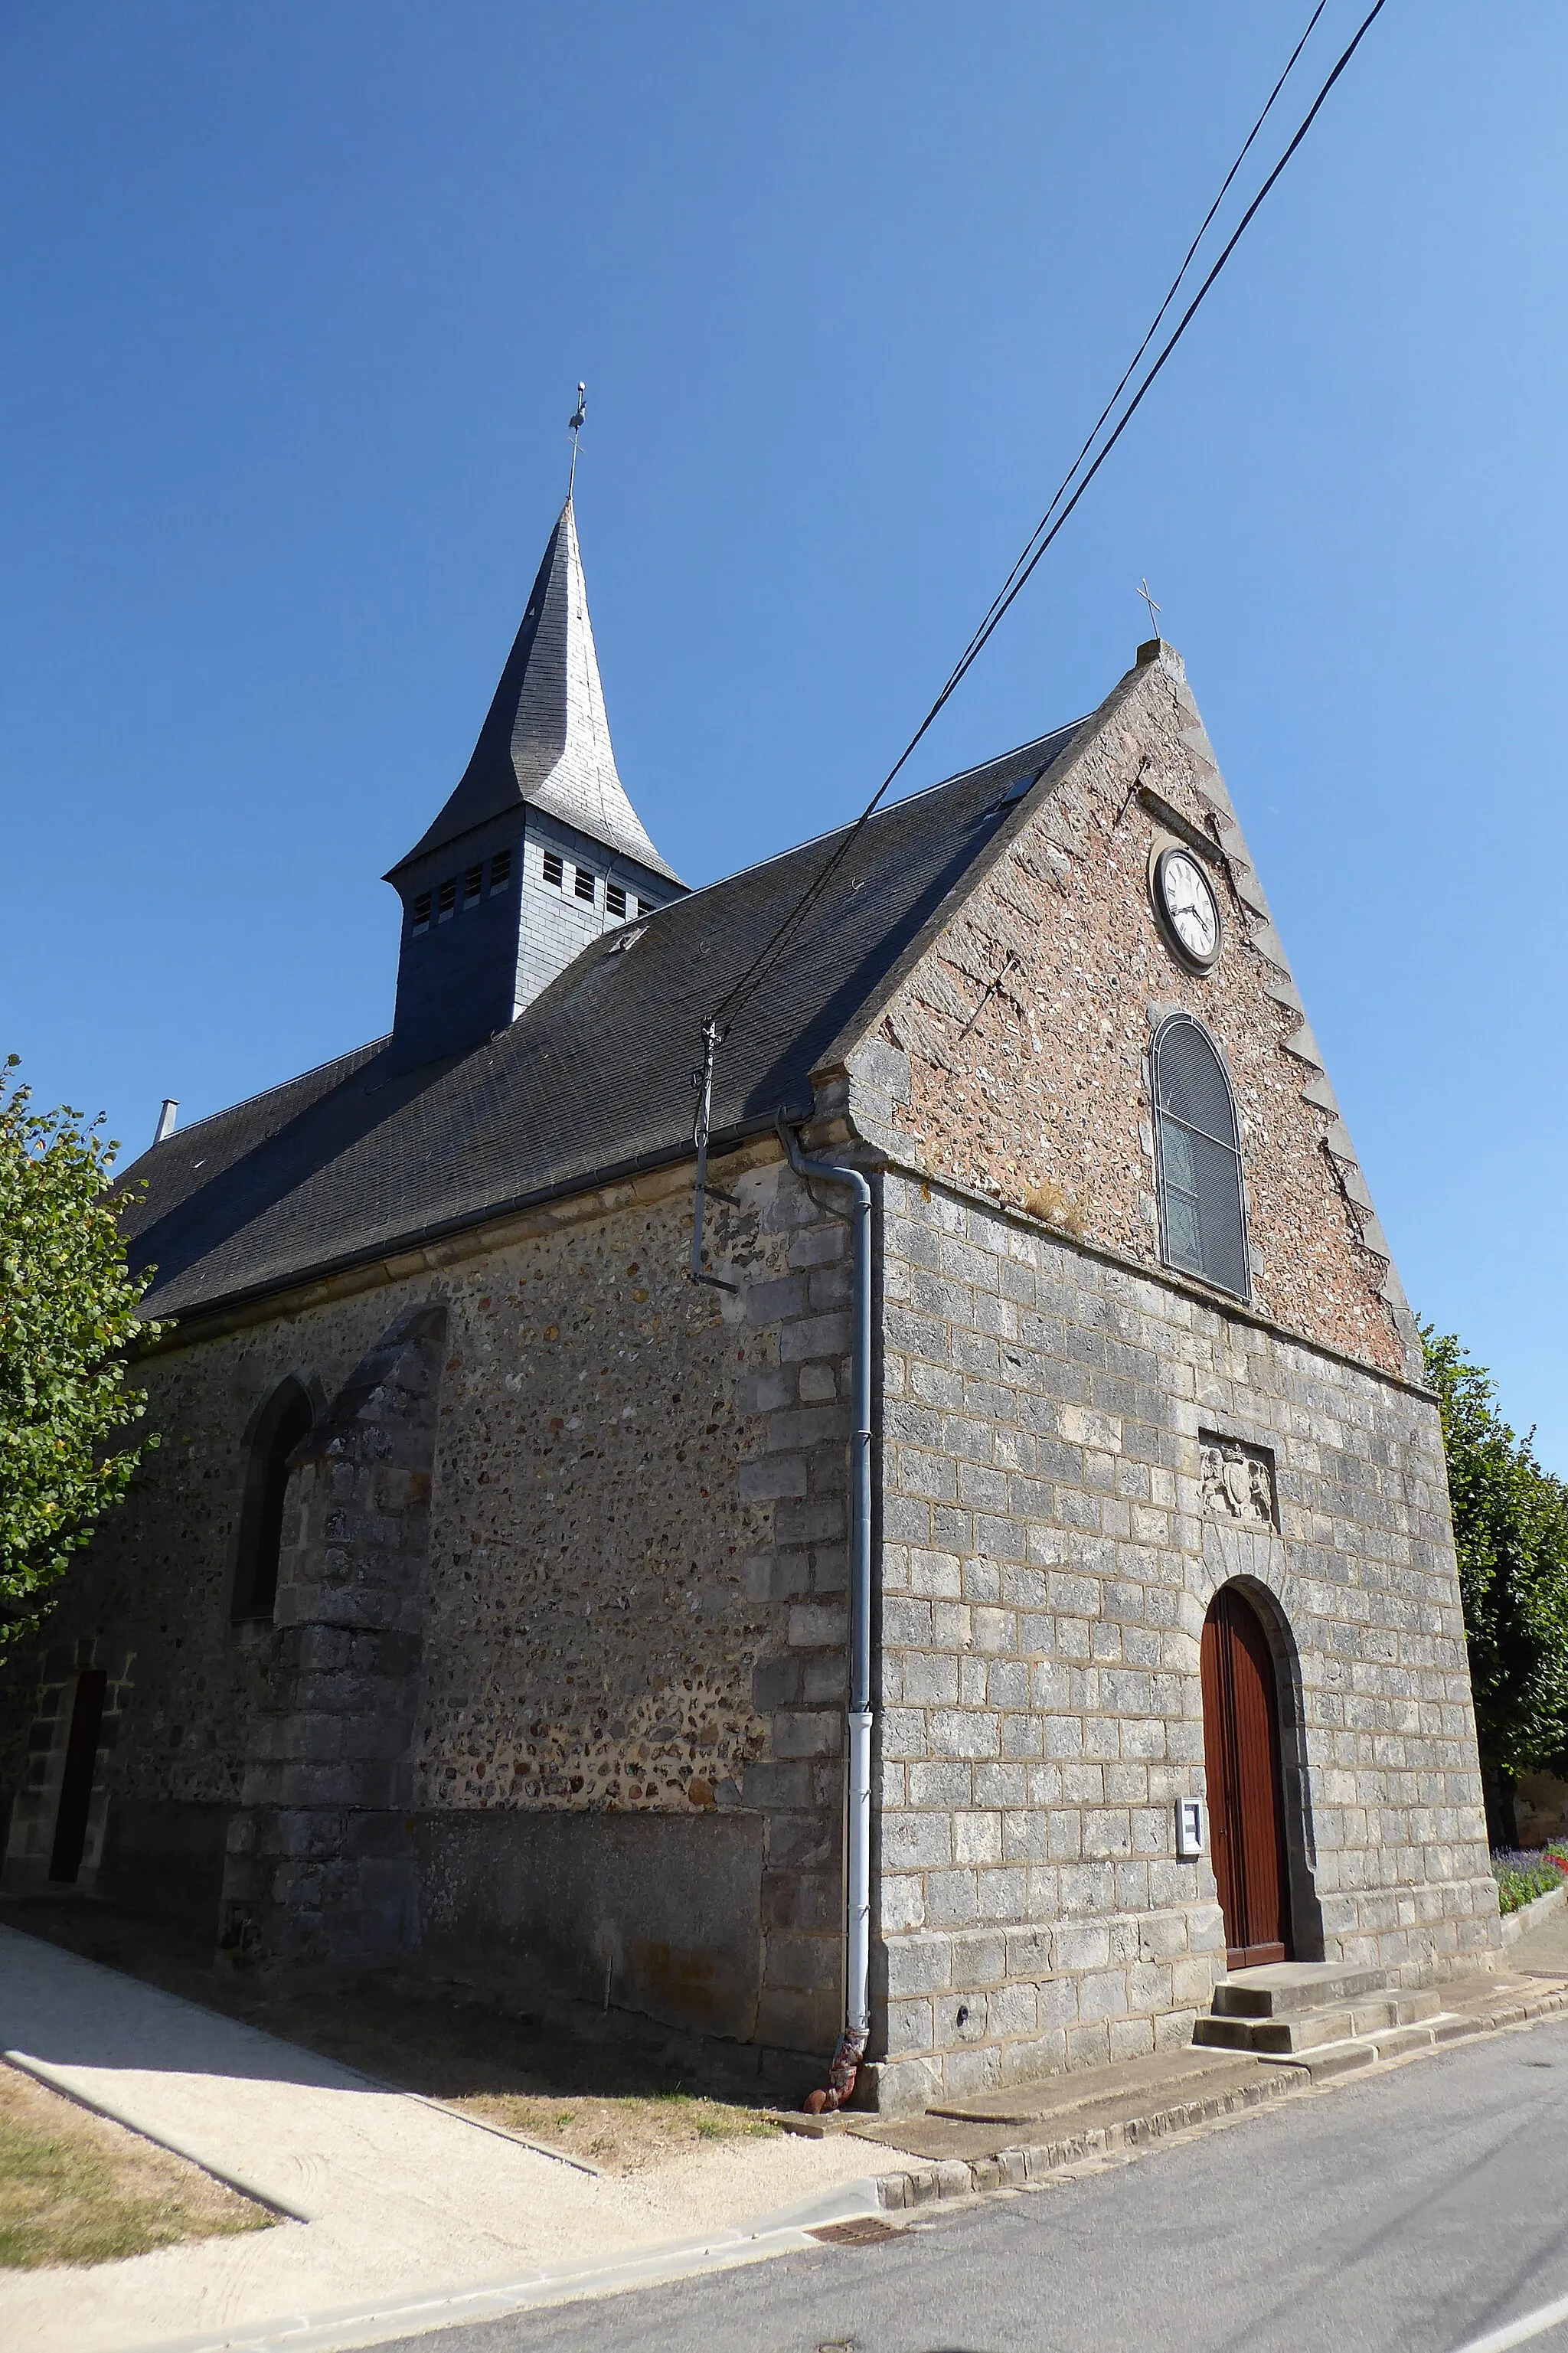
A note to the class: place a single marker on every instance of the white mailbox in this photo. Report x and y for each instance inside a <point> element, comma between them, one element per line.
<point>1190,1828</point>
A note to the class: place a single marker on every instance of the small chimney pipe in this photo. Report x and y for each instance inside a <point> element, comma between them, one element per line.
<point>165,1126</point>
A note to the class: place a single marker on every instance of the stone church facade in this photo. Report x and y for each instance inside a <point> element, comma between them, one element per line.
<point>490,1586</point>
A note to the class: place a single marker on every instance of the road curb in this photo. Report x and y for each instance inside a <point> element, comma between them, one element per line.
<point>370,2321</point>
<point>1016,2169</point>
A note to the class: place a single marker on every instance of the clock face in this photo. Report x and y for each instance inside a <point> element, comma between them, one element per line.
<point>1188,905</point>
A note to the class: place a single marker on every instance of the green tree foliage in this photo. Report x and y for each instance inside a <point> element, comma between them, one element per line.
<point>1510,1528</point>
<point>67,1314</point>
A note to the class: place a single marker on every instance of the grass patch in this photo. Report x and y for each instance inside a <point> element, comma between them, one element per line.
<point>75,2189</point>
<point>621,2132</point>
<point>446,2037</point>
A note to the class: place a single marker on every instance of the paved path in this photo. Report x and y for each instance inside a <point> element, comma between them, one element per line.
<point>403,2201</point>
<point>1416,2212</point>
<point>395,2196</point>
<point>1545,1948</point>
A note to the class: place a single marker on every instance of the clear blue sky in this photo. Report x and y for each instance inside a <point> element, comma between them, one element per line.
<point>296,297</point>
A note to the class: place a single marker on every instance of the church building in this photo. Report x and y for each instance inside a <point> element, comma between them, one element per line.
<point>1010,1586</point>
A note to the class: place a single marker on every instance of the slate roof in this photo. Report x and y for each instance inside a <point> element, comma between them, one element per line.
<point>594,1080</point>
<point>546,738</point>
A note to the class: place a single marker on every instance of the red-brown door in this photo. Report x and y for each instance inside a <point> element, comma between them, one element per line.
<point>1247,1799</point>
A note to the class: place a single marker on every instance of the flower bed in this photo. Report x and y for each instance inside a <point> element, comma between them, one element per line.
<point>1523,1874</point>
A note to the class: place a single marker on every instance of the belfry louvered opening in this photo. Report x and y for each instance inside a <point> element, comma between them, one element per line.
<point>1202,1216</point>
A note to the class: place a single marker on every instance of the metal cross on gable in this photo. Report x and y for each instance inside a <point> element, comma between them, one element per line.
<point>1154,610</point>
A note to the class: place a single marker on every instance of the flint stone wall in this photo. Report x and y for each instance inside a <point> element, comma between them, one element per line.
<point>606,1587</point>
<point>1047,1564</point>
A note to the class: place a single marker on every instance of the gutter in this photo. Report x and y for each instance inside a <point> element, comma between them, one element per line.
<point>411,1242</point>
<point>851,2050</point>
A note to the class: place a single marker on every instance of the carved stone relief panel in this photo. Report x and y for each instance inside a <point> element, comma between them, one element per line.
<point>1237,1482</point>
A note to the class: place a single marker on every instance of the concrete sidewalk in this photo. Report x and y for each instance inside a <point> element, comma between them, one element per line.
<point>406,2209</point>
<point>1543,1950</point>
<point>395,2194</point>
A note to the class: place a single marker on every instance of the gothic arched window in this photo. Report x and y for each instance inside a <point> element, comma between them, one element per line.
<point>1203,1222</point>
<point>285,1422</point>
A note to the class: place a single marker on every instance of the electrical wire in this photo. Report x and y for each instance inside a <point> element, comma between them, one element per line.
<point>1046,531</point>
<point>1171,294</point>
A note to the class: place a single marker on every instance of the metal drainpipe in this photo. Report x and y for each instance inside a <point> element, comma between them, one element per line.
<point>857,1876</point>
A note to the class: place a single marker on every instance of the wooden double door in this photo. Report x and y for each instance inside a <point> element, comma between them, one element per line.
<point>1247,1795</point>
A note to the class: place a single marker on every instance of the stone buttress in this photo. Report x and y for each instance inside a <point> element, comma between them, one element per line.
<point>316,1867</point>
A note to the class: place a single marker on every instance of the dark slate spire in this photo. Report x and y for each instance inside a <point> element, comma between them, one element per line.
<point>537,852</point>
<point>546,739</point>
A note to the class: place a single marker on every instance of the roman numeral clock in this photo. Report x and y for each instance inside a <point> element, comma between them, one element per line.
<point>1187,907</point>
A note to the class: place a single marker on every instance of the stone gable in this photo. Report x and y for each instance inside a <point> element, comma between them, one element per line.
<point>1026,1024</point>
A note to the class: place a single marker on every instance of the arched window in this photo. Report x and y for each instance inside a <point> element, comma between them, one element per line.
<point>1203,1223</point>
<point>286,1420</point>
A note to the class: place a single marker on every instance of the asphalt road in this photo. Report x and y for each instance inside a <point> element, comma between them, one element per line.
<point>1420,2213</point>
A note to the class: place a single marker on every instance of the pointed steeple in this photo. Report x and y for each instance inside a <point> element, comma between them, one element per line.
<point>546,739</point>
<point>538,851</point>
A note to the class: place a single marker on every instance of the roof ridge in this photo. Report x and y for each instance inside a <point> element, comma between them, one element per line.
<point>941,785</point>
<point>314,1173</point>
<point>243,1102</point>
<point>719,881</point>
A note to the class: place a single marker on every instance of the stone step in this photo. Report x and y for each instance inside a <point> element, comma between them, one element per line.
<point>1282,1988</point>
<point>1222,2034</point>
<point>1308,2030</point>
<point>1056,2111</point>
<point>1411,2009</point>
<point>1332,2059</point>
<point>1323,2060</point>
<point>1394,2044</point>
<point>1272,2037</point>
<point>1312,2030</point>
<point>1165,2076</point>
<point>1368,2021</point>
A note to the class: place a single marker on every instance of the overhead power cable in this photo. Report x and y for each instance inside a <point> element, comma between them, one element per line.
<point>1056,515</point>
<point>1154,329</point>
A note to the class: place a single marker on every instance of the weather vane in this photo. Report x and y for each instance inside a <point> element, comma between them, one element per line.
<point>574,426</point>
<point>1154,610</point>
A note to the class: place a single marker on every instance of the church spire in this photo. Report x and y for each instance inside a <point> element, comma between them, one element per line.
<point>537,852</point>
<point>546,739</point>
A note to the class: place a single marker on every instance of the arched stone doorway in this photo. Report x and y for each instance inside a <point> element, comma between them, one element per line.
<point>1246,1787</point>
